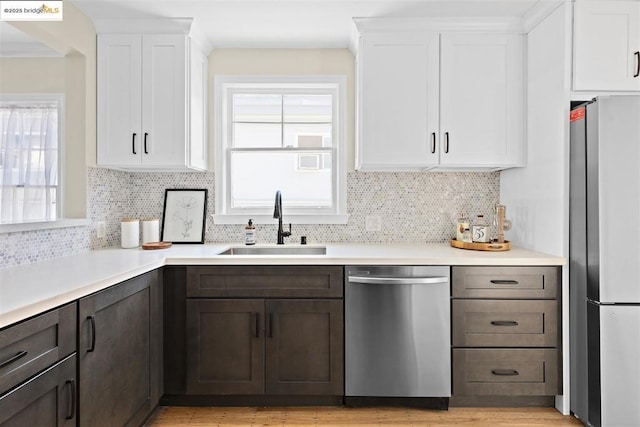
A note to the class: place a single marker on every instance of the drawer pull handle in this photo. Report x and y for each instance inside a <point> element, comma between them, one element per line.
<point>504,282</point>
<point>505,372</point>
<point>256,325</point>
<point>92,319</point>
<point>9,361</point>
<point>72,393</point>
<point>504,323</point>
<point>270,325</point>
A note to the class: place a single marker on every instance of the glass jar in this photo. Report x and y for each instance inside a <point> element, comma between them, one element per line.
<point>480,230</point>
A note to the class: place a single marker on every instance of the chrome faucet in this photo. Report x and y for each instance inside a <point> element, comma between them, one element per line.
<point>277,213</point>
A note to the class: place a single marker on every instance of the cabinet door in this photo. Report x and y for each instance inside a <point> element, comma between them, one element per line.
<point>606,45</point>
<point>115,351</point>
<point>119,68</point>
<point>48,399</point>
<point>225,346</point>
<point>481,93</point>
<point>398,101</point>
<point>304,347</point>
<point>164,97</point>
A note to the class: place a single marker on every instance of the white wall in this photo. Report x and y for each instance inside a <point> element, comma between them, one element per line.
<point>27,75</point>
<point>285,62</point>
<point>537,196</point>
<point>74,37</point>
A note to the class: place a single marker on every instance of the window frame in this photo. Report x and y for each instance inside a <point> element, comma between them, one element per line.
<point>224,88</point>
<point>60,220</point>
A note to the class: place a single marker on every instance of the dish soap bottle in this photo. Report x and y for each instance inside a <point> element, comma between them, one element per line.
<point>250,233</point>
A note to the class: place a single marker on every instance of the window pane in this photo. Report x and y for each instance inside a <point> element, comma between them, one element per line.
<point>28,161</point>
<point>308,108</point>
<point>252,135</point>
<point>257,108</point>
<point>307,135</point>
<point>255,177</point>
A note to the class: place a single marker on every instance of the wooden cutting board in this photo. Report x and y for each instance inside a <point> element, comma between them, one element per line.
<point>156,245</point>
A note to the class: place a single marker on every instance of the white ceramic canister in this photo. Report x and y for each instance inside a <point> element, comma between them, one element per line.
<point>130,233</point>
<point>150,230</point>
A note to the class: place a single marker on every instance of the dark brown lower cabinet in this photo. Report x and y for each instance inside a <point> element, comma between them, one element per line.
<point>265,346</point>
<point>225,346</point>
<point>48,399</point>
<point>304,347</point>
<point>119,353</point>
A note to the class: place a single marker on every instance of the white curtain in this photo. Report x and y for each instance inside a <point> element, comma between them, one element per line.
<point>28,161</point>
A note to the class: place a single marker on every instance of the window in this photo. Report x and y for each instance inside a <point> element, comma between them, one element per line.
<point>280,133</point>
<point>30,128</point>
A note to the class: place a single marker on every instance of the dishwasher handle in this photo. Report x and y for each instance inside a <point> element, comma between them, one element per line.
<point>398,280</point>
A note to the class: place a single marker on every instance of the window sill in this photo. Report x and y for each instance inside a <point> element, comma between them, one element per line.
<point>287,219</point>
<point>43,225</point>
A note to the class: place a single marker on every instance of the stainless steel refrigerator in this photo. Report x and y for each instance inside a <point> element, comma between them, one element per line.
<point>604,266</point>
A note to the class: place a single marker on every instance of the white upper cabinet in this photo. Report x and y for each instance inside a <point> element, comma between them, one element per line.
<point>398,100</point>
<point>481,100</point>
<point>150,102</point>
<point>606,46</point>
<point>439,100</point>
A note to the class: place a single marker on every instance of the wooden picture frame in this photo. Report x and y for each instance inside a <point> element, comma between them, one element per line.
<point>184,215</point>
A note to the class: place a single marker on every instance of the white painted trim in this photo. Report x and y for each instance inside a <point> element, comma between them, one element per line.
<point>221,105</point>
<point>43,225</point>
<point>539,12</point>
<point>143,26</point>
<point>287,219</point>
<point>457,24</point>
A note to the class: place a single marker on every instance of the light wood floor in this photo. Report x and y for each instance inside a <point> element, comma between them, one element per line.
<point>338,416</point>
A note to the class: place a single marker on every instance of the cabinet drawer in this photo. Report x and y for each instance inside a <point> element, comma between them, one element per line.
<point>265,281</point>
<point>31,346</point>
<point>505,323</point>
<point>505,282</point>
<point>515,372</point>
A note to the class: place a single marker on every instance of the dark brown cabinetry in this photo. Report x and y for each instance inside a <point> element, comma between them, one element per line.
<point>259,331</point>
<point>119,353</point>
<point>38,370</point>
<point>505,333</point>
<point>48,399</point>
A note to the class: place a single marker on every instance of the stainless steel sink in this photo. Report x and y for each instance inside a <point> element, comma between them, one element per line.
<point>275,250</point>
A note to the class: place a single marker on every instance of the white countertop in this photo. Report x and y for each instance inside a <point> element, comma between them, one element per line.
<point>28,290</point>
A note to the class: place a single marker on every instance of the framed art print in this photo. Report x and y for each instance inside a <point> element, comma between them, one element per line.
<point>184,215</point>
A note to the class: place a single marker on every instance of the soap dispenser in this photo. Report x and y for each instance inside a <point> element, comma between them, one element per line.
<point>250,233</point>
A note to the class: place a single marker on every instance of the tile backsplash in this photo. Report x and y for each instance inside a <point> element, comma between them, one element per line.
<point>413,207</point>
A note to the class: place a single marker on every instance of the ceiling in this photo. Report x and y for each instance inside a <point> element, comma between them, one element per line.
<point>293,24</point>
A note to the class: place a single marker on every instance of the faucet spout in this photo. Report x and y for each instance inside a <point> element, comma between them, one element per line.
<point>277,210</point>
<point>277,213</point>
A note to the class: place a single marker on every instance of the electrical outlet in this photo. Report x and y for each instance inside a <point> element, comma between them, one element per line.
<point>373,223</point>
<point>101,231</point>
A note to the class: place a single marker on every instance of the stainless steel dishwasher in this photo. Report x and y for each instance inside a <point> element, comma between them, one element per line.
<point>397,335</point>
